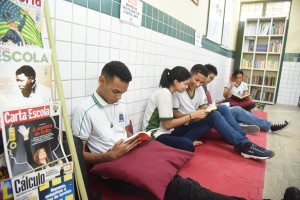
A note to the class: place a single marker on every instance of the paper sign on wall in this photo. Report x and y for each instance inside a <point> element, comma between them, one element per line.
<point>131,11</point>
<point>198,39</point>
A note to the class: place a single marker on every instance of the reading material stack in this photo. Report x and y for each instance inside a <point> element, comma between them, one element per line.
<point>261,56</point>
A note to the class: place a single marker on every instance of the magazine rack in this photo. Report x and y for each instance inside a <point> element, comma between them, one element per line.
<point>77,171</point>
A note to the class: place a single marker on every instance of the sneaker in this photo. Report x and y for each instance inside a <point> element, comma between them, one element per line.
<point>256,152</point>
<point>279,126</point>
<point>250,129</point>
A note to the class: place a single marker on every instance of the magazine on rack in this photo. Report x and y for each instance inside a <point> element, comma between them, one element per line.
<point>26,76</point>
<point>36,184</point>
<point>21,23</point>
<point>31,137</point>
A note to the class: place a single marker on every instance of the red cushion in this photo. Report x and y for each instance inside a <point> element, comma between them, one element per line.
<point>151,166</point>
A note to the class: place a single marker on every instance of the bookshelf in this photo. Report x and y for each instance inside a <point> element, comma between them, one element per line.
<point>261,56</point>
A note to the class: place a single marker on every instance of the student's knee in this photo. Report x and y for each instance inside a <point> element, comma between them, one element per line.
<point>187,145</point>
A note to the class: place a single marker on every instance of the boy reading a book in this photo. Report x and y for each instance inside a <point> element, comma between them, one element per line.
<point>102,121</point>
<point>195,98</point>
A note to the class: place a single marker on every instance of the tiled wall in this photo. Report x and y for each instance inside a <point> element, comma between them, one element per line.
<point>86,39</point>
<point>289,88</point>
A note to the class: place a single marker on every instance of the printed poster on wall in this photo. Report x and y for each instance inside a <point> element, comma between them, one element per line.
<point>131,11</point>
<point>21,23</point>
<point>28,186</point>
<point>198,39</point>
<point>26,76</point>
<point>215,20</point>
<point>32,137</point>
<point>227,24</point>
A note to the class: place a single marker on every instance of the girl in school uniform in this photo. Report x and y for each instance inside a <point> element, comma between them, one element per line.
<point>238,87</point>
<point>159,112</point>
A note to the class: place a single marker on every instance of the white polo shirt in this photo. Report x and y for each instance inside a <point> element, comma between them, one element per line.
<point>92,123</point>
<point>237,90</point>
<point>185,103</point>
<point>159,108</point>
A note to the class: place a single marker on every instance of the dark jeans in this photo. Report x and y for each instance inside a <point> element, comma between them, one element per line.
<point>222,119</point>
<point>179,189</point>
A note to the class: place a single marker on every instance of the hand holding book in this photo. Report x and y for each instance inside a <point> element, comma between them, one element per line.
<point>142,135</point>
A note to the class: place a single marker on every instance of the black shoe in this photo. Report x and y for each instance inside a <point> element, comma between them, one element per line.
<point>279,126</point>
<point>256,152</point>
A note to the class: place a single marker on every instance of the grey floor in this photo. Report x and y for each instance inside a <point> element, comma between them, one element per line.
<point>283,170</point>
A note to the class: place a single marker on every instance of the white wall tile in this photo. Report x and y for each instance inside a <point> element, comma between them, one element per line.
<point>92,36</point>
<point>63,31</point>
<point>78,70</point>
<point>63,51</point>
<point>65,70</point>
<point>91,86</point>
<point>124,28</point>
<point>104,38</point>
<point>115,25</point>
<point>78,52</point>
<point>66,88</point>
<point>63,10</point>
<point>78,33</point>
<point>93,18</point>
<point>76,102</point>
<point>103,54</point>
<point>78,88</point>
<point>105,22</point>
<point>92,70</point>
<point>91,53</point>
<point>114,54</point>
<point>115,40</point>
<point>79,14</point>
<point>124,42</point>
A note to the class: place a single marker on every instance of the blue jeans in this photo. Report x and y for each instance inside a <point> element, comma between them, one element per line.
<point>182,137</point>
<point>242,116</point>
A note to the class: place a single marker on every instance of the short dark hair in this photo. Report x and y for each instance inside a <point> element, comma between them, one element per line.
<point>27,70</point>
<point>211,69</point>
<point>236,72</point>
<point>170,75</point>
<point>198,68</point>
<point>118,69</point>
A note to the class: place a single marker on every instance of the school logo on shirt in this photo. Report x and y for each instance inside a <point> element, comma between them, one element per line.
<point>239,93</point>
<point>121,117</point>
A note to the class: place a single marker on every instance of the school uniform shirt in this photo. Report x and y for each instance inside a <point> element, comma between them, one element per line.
<point>237,90</point>
<point>92,123</point>
<point>185,103</point>
<point>159,108</point>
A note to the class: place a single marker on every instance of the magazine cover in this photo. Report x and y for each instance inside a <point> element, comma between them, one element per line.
<point>26,76</point>
<point>61,188</point>
<point>31,137</point>
<point>26,187</point>
<point>21,23</point>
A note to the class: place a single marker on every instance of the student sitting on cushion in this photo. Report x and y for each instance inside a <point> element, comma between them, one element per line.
<point>250,123</point>
<point>238,87</point>
<point>194,98</point>
<point>159,113</point>
<point>102,121</point>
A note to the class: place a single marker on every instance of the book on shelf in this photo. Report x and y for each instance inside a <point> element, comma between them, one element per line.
<point>264,28</point>
<point>261,47</point>
<point>255,93</point>
<point>259,64</point>
<point>247,63</point>
<point>251,29</point>
<point>270,81</point>
<point>142,135</point>
<point>275,46</point>
<point>249,44</point>
<point>277,28</point>
<point>237,97</point>
<point>257,80</point>
<point>267,96</point>
<point>273,64</point>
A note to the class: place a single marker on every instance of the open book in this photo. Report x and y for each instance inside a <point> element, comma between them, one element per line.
<point>212,107</point>
<point>142,135</point>
<point>237,97</point>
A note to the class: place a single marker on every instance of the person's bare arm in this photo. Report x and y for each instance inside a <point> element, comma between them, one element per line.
<point>227,90</point>
<point>173,123</point>
<point>118,150</point>
<point>177,114</point>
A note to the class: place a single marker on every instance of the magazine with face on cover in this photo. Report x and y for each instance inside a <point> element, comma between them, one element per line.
<point>32,137</point>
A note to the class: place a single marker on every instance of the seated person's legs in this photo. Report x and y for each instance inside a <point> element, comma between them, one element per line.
<point>176,142</point>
